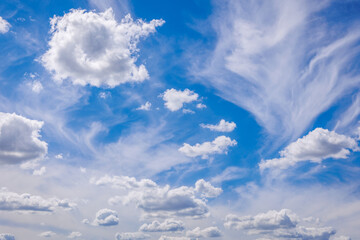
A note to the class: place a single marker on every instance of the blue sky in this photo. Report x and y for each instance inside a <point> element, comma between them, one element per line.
<point>179,120</point>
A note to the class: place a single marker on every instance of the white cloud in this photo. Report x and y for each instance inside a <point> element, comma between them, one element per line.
<point>270,220</point>
<point>36,86</point>
<point>188,111</point>
<point>157,201</point>
<point>163,237</point>
<point>59,156</point>
<point>306,233</point>
<point>74,235</point>
<point>200,106</point>
<point>132,236</point>
<point>19,139</point>
<point>175,99</point>
<point>209,232</point>
<point>318,145</point>
<point>104,95</point>
<point>222,126</point>
<point>6,236</point>
<point>145,107</point>
<point>218,146</point>
<point>246,66</point>
<point>206,189</point>
<point>10,201</point>
<point>93,48</point>
<point>230,173</point>
<point>106,217</point>
<point>39,172</point>
<point>47,234</point>
<point>4,25</point>
<point>169,225</point>
<point>341,238</point>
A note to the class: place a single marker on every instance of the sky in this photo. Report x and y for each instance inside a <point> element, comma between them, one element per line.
<point>179,120</point>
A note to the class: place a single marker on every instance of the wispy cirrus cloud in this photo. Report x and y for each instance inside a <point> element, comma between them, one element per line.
<point>280,61</point>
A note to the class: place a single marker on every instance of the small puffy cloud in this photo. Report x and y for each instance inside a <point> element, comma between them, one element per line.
<point>93,48</point>
<point>19,139</point>
<point>4,25</point>
<point>47,234</point>
<point>209,232</point>
<point>6,236</point>
<point>222,126</point>
<point>218,146</point>
<point>157,201</point>
<point>200,106</point>
<point>59,156</point>
<point>318,145</point>
<point>169,225</point>
<point>206,189</point>
<point>175,99</point>
<point>104,95</point>
<point>36,86</point>
<point>106,217</point>
<point>39,172</point>
<point>74,235</point>
<point>145,107</point>
<point>188,111</point>
<point>132,236</point>
<point>10,201</point>
<point>341,238</point>
<point>264,221</point>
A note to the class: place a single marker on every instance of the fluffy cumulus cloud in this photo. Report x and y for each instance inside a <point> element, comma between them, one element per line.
<point>222,126</point>
<point>6,236</point>
<point>158,201</point>
<point>4,25</point>
<point>47,234</point>
<point>93,48</point>
<point>106,217</point>
<point>19,139</point>
<point>131,236</point>
<point>218,146</point>
<point>209,232</point>
<point>10,201</point>
<point>206,189</point>
<point>281,224</point>
<point>169,225</point>
<point>318,145</point>
<point>263,221</point>
<point>175,99</point>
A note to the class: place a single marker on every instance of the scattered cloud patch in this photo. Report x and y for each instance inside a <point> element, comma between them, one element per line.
<point>19,139</point>
<point>6,236</point>
<point>47,234</point>
<point>318,145</point>
<point>106,217</point>
<point>188,111</point>
<point>230,173</point>
<point>218,146</point>
<point>39,172</point>
<point>210,232</point>
<point>74,235</point>
<point>36,86</point>
<point>169,225</point>
<point>59,156</point>
<point>163,237</point>
<point>104,95</point>
<point>93,48</point>
<point>4,26</point>
<point>175,99</point>
<point>132,236</point>
<point>145,107</point>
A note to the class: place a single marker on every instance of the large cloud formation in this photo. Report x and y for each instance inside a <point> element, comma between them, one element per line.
<point>19,139</point>
<point>281,224</point>
<point>318,145</point>
<point>93,48</point>
<point>157,201</point>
